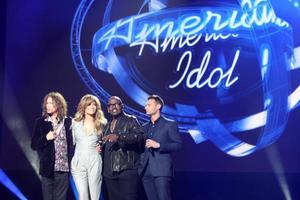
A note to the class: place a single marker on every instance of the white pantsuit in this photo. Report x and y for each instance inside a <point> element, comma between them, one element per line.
<point>86,164</point>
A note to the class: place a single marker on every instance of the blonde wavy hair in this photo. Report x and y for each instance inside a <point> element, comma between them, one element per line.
<point>59,102</point>
<point>86,100</point>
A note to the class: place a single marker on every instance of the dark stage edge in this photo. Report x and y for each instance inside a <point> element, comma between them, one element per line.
<point>189,186</point>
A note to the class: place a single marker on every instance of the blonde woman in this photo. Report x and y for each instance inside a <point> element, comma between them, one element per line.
<point>86,165</point>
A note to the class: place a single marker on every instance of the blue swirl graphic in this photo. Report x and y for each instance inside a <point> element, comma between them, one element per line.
<point>251,31</point>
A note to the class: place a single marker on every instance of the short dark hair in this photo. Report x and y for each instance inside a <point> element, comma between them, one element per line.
<point>116,98</point>
<point>157,99</point>
<point>120,102</point>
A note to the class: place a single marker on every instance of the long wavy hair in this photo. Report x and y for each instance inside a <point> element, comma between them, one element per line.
<point>99,118</point>
<point>59,102</point>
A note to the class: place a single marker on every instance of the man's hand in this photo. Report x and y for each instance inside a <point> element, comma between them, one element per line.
<point>51,135</point>
<point>111,138</point>
<point>152,144</point>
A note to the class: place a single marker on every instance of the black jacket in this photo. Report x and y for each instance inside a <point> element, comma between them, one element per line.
<point>125,153</point>
<point>45,148</point>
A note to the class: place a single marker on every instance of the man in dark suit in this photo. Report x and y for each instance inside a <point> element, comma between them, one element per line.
<point>156,168</point>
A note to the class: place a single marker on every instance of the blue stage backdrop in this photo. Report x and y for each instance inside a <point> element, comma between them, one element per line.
<point>227,70</point>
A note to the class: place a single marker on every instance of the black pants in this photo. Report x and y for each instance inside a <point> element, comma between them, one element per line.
<point>156,187</point>
<point>123,187</point>
<point>56,187</point>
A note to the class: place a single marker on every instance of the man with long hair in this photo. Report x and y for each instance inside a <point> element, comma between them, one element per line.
<point>52,139</point>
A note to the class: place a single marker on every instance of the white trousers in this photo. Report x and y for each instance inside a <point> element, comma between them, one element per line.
<point>87,177</point>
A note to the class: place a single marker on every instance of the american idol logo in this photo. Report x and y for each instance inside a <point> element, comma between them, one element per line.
<point>222,68</point>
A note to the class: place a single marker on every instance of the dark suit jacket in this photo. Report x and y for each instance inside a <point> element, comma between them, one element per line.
<point>159,160</point>
<point>45,148</point>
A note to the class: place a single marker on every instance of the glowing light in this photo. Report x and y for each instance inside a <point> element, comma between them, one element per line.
<point>155,5</point>
<point>241,150</point>
<point>248,123</point>
<point>199,72</point>
<point>296,63</point>
<point>73,186</point>
<point>146,30</point>
<point>265,61</point>
<point>13,118</point>
<point>197,136</point>
<point>276,164</point>
<point>4,179</point>
<point>294,98</point>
